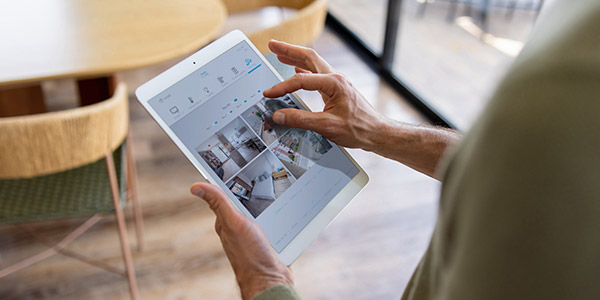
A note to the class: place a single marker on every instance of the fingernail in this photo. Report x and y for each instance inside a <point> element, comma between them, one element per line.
<point>279,117</point>
<point>198,191</point>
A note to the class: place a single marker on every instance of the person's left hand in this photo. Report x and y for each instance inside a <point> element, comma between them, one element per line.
<point>254,262</point>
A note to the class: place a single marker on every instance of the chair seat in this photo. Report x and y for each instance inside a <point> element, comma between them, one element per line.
<point>83,191</point>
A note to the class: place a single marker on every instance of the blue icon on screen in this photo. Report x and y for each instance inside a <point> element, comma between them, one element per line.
<point>245,101</point>
<point>216,122</point>
<point>235,100</point>
<point>248,62</point>
<point>231,111</point>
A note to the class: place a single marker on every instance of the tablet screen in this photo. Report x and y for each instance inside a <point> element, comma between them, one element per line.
<point>281,177</point>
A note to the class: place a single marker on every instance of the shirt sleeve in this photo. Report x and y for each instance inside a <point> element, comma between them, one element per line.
<point>281,292</point>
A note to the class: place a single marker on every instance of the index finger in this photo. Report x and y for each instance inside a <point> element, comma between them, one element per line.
<point>303,57</point>
<point>323,83</point>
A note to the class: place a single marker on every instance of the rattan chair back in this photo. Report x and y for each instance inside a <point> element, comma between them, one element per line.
<point>301,28</point>
<point>42,144</point>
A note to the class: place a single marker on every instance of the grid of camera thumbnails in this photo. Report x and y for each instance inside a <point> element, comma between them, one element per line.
<point>259,160</point>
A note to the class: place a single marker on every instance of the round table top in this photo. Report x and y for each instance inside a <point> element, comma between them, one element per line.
<point>48,39</point>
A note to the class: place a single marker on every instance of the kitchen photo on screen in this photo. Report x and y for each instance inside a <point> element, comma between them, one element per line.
<point>230,149</point>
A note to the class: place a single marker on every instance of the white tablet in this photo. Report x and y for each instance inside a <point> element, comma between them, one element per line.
<point>291,182</point>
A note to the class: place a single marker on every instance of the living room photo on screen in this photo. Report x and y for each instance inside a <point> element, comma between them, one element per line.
<point>260,183</point>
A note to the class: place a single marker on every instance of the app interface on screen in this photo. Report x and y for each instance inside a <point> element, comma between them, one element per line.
<point>279,176</point>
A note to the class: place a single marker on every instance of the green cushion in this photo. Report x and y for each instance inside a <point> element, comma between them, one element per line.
<point>83,191</point>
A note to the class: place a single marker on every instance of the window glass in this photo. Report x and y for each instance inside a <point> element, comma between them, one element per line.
<point>452,53</point>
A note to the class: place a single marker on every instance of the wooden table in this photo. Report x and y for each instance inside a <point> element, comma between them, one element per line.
<point>91,40</point>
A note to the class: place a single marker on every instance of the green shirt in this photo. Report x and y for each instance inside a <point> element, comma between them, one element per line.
<point>519,215</point>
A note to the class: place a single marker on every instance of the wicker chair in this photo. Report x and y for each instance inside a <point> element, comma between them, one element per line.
<point>65,164</point>
<point>302,28</point>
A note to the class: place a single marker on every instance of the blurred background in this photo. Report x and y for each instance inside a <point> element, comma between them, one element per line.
<point>417,61</point>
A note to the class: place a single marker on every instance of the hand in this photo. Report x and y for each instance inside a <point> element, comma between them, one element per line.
<point>254,262</point>
<point>347,119</point>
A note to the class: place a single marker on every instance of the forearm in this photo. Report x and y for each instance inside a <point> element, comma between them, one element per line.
<point>419,147</point>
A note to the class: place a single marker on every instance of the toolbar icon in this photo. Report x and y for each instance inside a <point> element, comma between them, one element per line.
<point>191,100</point>
<point>248,62</point>
<point>220,79</point>
<point>174,110</point>
<point>206,90</point>
<point>234,70</point>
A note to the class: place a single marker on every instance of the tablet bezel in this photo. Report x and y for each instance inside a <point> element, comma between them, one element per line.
<point>187,66</point>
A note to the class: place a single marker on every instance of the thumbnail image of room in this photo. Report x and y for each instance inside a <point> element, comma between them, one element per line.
<point>300,149</point>
<point>230,149</point>
<point>259,117</point>
<point>260,183</point>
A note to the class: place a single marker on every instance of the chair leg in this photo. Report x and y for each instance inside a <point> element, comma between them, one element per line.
<point>126,251</point>
<point>132,188</point>
<point>27,262</point>
<point>89,260</point>
<point>54,249</point>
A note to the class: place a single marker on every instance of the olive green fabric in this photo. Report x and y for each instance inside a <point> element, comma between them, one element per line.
<point>519,215</point>
<point>82,191</point>
<point>281,292</point>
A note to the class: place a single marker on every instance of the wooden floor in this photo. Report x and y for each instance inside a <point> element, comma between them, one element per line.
<point>368,252</point>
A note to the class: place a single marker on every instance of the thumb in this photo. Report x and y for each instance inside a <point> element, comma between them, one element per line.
<point>218,202</point>
<point>299,118</point>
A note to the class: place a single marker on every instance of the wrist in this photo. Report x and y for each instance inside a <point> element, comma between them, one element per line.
<point>380,135</point>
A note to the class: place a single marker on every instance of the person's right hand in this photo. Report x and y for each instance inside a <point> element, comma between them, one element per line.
<point>347,119</point>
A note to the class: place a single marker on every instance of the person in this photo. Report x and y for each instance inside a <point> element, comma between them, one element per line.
<point>519,215</point>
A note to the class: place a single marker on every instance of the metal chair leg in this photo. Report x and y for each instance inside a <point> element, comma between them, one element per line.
<point>126,251</point>
<point>133,191</point>
<point>66,252</point>
<point>54,249</point>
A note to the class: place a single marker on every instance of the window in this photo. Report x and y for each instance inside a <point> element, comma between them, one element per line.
<point>444,56</point>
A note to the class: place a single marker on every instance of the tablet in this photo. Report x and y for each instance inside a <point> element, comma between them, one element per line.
<point>291,182</point>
